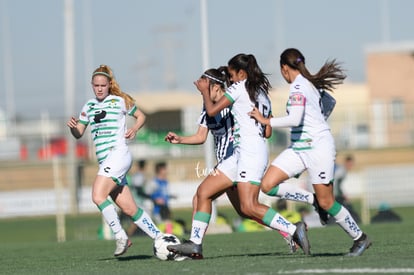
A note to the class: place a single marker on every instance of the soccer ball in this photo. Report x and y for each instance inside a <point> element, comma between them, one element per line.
<point>160,247</point>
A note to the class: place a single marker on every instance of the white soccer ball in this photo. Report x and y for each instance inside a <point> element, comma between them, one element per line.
<point>160,247</point>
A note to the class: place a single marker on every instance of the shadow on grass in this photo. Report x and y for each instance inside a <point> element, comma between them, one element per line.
<point>268,254</point>
<point>279,255</point>
<point>128,258</point>
<point>328,255</point>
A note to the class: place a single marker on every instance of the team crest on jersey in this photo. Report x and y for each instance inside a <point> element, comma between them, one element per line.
<point>297,100</point>
<point>112,103</point>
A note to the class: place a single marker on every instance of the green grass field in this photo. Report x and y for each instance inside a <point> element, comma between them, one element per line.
<point>28,246</point>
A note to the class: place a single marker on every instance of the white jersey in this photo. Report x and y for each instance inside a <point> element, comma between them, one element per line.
<point>303,93</point>
<point>108,123</point>
<point>244,124</point>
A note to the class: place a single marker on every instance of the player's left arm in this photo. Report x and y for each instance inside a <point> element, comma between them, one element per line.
<point>139,122</point>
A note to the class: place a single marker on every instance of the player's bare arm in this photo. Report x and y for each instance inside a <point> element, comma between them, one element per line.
<point>139,122</point>
<point>198,138</point>
<point>77,129</point>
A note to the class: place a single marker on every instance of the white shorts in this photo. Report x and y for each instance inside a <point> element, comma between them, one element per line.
<point>252,159</point>
<point>116,165</point>
<point>228,167</point>
<point>319,161</point>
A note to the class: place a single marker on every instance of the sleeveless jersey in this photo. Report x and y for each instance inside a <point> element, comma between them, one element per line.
<point>108,123</point>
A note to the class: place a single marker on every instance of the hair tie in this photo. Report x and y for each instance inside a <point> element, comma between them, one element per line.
<point>298,60</point>
<point>213,78</point>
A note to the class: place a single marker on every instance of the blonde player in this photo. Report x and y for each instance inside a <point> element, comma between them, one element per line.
<point>312,146</point>
<point>106,114</point>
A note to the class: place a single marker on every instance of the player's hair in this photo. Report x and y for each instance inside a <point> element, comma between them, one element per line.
<point>328,76</point>
<point>114,88</point>
<point>219,76</point>
<point>256,80</point>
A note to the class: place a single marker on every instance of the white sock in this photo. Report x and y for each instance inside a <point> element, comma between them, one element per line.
<point>199,226</point>
<point>275,221</point>
<point>289,191</point>
<point>280,223</point>
<point>348,224</point>
<point>111,217</point>
<point>145,223</point>
<point>198,229</point>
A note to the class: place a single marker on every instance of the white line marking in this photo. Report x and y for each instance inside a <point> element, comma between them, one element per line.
<point>349,270</point>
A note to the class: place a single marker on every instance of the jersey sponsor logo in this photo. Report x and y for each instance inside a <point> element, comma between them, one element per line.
<point>297,100</point>
<point>99,116</point>
<point>297,86</point>
<point>106,169</point>
<point>100,133</point>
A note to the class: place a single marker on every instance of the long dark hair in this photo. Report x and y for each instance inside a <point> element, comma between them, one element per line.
<point>256,79</point>
<point>330,75</point>
<point>218,76</point>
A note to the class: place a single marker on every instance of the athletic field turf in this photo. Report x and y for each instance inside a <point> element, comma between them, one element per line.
<point>28,246</point>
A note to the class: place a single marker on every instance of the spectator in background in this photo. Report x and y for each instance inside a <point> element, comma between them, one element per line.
<point>137,183</point>
<point>341,171</point>
<point>158,191</point>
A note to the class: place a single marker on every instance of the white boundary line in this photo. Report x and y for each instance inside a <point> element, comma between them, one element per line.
<point>349,270</point>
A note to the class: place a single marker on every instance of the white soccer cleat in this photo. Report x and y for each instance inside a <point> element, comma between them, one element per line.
<point>122,246</point>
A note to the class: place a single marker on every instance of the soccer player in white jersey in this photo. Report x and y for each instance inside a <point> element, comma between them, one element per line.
<point>250,89</point>
<point>312,145</point>
<point>106,114</point>
<point>222,177</point>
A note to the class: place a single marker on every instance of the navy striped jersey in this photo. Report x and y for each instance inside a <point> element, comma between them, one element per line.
<point>221,127</point>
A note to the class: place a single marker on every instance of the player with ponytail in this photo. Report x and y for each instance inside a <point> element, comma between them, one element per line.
<point>106,115</point>
<point>312,145</point>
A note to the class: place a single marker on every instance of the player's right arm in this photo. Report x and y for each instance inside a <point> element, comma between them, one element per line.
<point>198,138</point>
<point>77,129</point>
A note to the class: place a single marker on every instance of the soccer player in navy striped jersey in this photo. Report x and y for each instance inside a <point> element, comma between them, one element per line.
<point>106,114</point>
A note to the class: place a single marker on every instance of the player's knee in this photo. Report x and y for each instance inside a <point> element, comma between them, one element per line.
<point>266,187</point>
<point>97,199</point>
<point>248,210</point>
<point>203,194</point>
<point>326,203</point>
